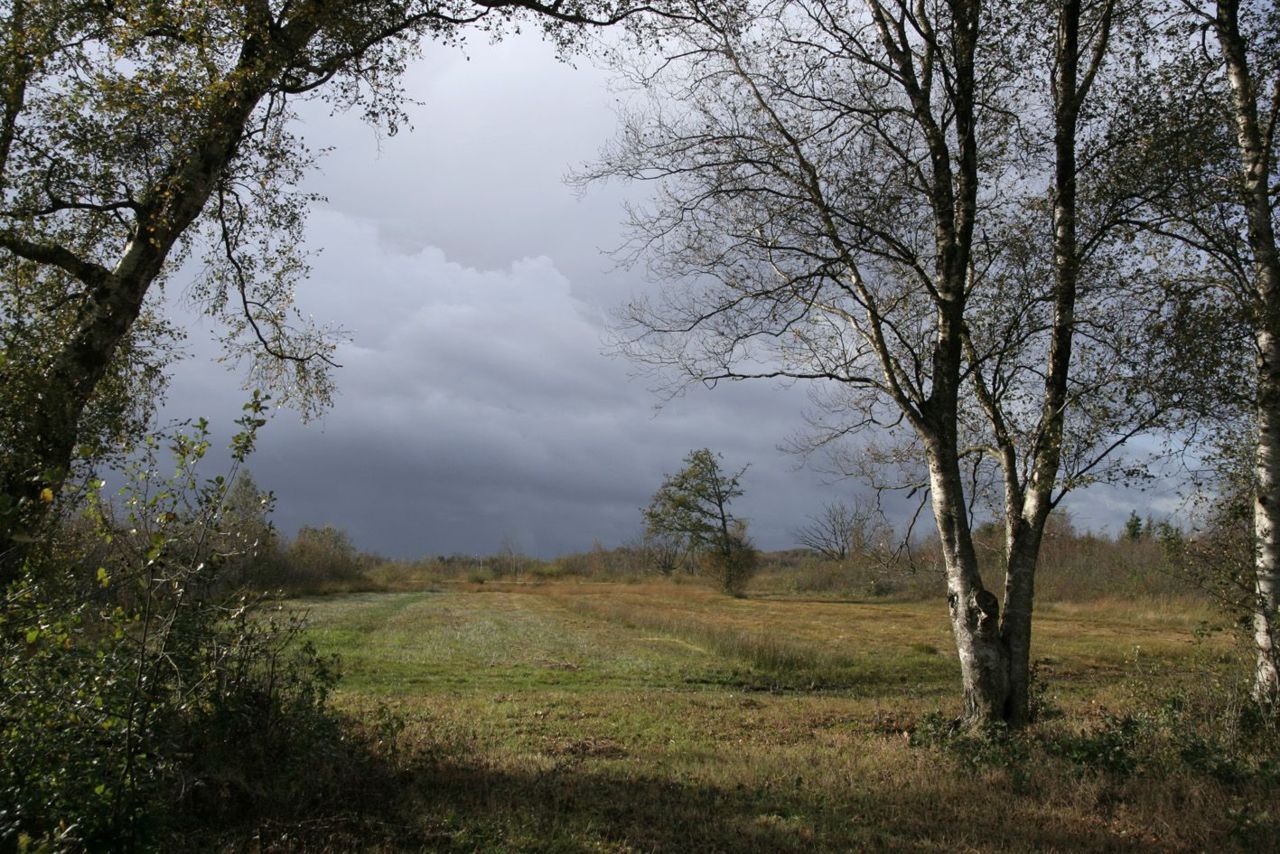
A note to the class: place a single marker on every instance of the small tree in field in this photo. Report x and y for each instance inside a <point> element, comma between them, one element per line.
<point>692,506</point>
<point>323,554</point>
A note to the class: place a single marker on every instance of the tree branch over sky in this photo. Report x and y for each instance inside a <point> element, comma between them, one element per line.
<point>902,205</point>
<point>134,135</point>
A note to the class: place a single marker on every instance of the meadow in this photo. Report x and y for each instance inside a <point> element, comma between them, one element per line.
<point>575,715</point>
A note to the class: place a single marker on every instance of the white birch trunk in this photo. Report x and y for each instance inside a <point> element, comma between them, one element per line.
<point>1266,521</point>
<point>1257,163</point>
<point>974,610</point>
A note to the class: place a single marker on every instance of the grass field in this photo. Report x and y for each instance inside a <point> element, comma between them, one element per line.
<point>665,717</point>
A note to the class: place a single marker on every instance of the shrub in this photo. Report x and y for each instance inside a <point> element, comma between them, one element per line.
<point>733,566</point>
<point>1115,746</point>
<point>319,555</point>
<point>136,697</point>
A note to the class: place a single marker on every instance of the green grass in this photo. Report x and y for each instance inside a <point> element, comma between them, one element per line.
<point>400,644</point>
<point>662,717</point>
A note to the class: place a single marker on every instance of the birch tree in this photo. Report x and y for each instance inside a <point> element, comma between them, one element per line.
<point>1208,177</point>
<point>884,198</point>
<point>1248,37</point>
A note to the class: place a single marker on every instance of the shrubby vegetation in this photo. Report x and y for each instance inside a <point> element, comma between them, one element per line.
<point>144,695</point>
<point>1081,566</point>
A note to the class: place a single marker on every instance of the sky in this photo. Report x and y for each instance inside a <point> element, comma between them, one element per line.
<point>477,404</point>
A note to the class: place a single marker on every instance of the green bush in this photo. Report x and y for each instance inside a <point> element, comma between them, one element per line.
<point>138,700</point>
<point>732,567</point>
<point>1116,746</point>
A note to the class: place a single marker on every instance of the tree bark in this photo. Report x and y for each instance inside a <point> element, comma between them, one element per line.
<point>1266,522</point>
<point>1022,555</point>
<point>974,610</point>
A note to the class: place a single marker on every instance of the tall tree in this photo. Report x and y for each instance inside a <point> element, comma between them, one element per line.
<point>1208,131</point>
<point>133,133</point>
<point>1249,41</point>
<point>884,198</point>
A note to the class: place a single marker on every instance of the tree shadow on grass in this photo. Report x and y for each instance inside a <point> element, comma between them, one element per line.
<point>470,807</point>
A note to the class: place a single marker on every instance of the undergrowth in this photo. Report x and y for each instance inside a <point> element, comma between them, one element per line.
<point>1208,742</point>
<point>143,702</point>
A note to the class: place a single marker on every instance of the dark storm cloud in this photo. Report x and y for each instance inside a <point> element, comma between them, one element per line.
<point>475,405</point>
<point>481,173</point>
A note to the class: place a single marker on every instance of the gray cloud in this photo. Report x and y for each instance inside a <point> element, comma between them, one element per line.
<point>475,403</point>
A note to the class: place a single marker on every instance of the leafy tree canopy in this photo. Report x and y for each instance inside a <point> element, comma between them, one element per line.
<point>693,503</point>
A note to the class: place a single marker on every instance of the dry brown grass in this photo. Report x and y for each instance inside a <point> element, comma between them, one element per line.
<point>573,716</point>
